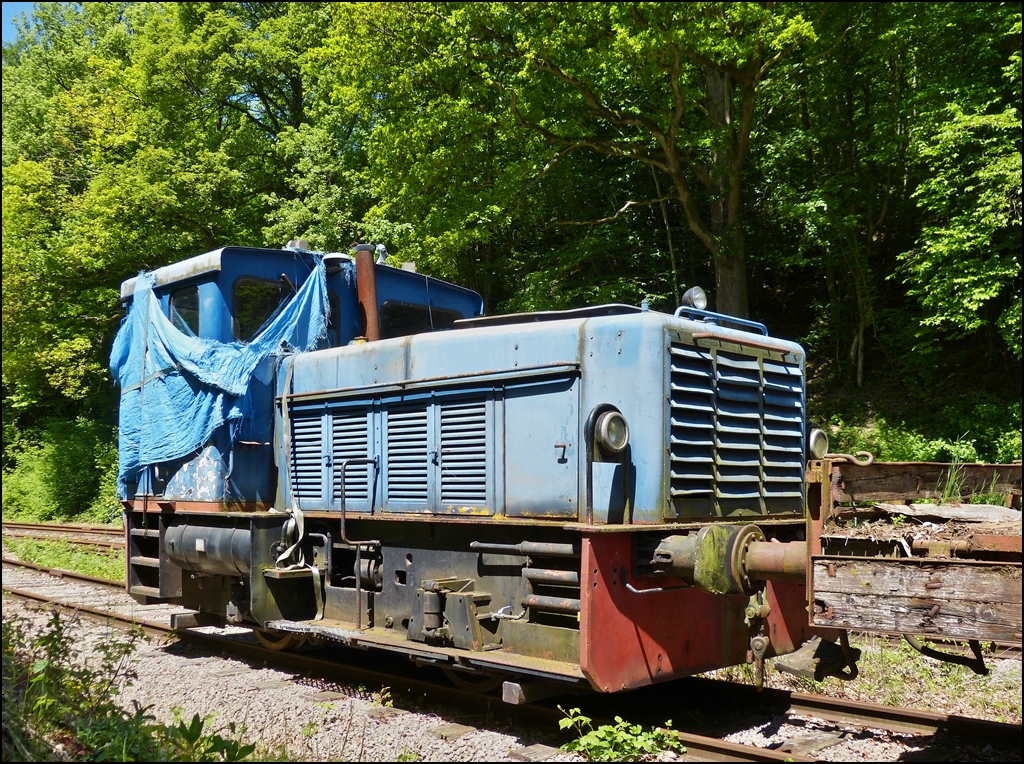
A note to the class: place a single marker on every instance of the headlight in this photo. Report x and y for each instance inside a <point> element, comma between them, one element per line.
<point>695,297</point>
<point>817,443</point>
<point>612,432</point>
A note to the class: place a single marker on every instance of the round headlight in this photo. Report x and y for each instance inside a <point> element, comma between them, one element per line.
<point>695,297</point>
<point>817,443</point>
<point>612,432</point>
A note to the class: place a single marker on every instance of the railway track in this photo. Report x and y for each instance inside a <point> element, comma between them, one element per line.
<point>85,535</point>
<point>655,703</point>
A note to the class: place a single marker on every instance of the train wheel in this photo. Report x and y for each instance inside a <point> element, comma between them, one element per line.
<point>279,640</point>
<point>472,682</point>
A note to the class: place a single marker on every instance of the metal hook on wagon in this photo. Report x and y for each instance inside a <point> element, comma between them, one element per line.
<point>866,460</point>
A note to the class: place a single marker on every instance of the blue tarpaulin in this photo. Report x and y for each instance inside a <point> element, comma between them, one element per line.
<point>176,389</point>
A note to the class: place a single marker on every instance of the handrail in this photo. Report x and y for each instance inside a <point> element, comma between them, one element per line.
<point>742,322</point>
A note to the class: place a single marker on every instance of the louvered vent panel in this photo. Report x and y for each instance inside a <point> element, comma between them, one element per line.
<point>783,457</point>
<point>350,440</point>
<point>692,431</point>
<point>307,457</point>
<point>736,429</point>
<point>464,453</point>
<point>407,455</point>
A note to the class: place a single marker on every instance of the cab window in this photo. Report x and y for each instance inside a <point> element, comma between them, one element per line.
<point>185,309</point>
<point>398,319</point>
<point>255,301</point>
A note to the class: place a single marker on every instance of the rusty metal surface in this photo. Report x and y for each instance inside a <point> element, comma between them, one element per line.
<point>976,544</point>
<point>490,660</point>
<point>652,633</point>
<point>552,604</point>
<point>785,562</point>
<point>366,282</point>
<point>702,748</point>
<point>156,506</point>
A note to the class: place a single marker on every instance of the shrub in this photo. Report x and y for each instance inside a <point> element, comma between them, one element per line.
<point>57,707</point>
<point>66,470</point>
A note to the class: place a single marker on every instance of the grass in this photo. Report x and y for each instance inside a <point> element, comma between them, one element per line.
<point>894,674</point>
<point>58,553</point>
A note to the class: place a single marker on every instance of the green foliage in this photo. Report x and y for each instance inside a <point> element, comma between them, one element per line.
<point>68,470</point>
<point>981,434</point>
<point>621,741</point>
<point>970,248</point>
<point>56,706</point>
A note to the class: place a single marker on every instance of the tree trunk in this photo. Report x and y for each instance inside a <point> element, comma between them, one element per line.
<point>729,253</point>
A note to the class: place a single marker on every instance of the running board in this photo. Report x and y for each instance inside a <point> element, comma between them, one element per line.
<point>491,661</point>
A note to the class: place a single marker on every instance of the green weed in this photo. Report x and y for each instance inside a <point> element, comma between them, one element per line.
<point>621,741</point>
<point>58,553</point>
<point>383,698</point>
<point>55,707</point>
<point>951,487</point>
<point>893,673</point>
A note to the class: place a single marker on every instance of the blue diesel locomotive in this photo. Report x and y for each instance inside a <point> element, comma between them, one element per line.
<point>316,445</point>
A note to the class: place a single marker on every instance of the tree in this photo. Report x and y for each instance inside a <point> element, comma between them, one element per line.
<point>672,87</point>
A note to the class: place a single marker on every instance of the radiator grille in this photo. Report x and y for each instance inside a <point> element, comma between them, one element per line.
<point>464,453</point>
<point>736,432</point>
<point>350,440</point>
<point>307,457</point>
<point>407,448</point>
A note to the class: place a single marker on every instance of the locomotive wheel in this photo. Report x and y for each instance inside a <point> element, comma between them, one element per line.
<point>279,640</point>
<point>472,682</point>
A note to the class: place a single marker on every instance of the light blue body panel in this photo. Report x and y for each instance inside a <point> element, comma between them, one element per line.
<point>521,394</point>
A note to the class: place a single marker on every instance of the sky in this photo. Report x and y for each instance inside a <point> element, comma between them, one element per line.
<point>10,10</point>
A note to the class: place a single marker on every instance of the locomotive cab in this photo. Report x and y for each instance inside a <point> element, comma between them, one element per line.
<point>229,296</point>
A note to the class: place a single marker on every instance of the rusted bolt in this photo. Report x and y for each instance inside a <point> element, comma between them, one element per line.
<point>934,611</point>
<point>831,570</point>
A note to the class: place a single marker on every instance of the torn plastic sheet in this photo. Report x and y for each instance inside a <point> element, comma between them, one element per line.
<point>176,389</point>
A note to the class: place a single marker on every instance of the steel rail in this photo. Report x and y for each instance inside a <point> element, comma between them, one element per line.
<point>78,541</point>
<point>145,624</point>
<point>904,719</point>
<point>66,528</point>
<point>858,713</point>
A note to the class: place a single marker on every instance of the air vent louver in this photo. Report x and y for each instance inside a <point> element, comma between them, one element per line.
<point>736,429</point>
<point>307,457</point>
<point>464,453</point>
<point>350,440</point>
<point>407,448</point>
